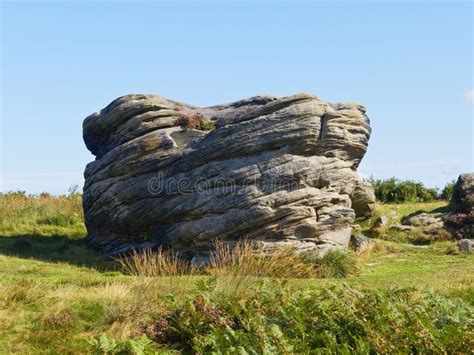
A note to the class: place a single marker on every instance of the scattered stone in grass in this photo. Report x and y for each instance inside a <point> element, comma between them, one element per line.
<point>466,245</point>
<point>431,220</point>
<point>402,228</point>
<point>392,255</point>
<point>372,264</point>
<point>417,246</point>
<point>359,243</point>
<point>380,222</point>
<point>392,216</point>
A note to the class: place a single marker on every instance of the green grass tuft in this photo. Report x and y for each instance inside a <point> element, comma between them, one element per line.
<point>334,264</point>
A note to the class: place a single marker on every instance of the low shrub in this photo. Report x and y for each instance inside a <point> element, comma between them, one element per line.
<point>461,223</point>
<point>458,220</point>
<point>196,121</point>
<point>332,320</point>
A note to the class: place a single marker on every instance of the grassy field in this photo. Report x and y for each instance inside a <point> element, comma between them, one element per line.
<point>57,296</point>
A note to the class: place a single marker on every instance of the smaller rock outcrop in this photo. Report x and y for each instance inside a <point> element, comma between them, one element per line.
<point>461,222</point>
<point>425,220</point>
<point>463,195</point>
<point>363,200</point>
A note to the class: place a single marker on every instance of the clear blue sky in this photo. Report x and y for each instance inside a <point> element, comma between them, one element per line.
<point>411,64</point>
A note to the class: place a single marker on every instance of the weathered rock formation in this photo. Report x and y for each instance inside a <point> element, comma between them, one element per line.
<point>463,195</point>
<point>279,170</point>
<point>458,220</point>
<point>363,200</point>
<point>462,220</point>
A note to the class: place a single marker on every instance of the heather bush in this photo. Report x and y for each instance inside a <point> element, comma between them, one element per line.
<point>196,121</point>
<point>462,223</point>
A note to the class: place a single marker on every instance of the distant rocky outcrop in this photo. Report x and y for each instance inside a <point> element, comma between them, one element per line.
<point>277,170</point>
<point>463,194</point>
<point>462,220</point>
<point>458,220</point>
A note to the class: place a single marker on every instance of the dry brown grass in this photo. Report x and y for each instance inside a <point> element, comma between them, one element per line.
<point>150,263</point>
<point>249,259</point>
<point>379,247</point>
<point>195,121</point>
<point>237,267</point>
<point>62,319</point>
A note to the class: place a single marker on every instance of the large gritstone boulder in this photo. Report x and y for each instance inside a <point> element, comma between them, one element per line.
<point>277,170</point>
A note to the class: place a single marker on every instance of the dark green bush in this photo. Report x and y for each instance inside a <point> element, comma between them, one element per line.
<point>447,192</point>
<point>397,191</point>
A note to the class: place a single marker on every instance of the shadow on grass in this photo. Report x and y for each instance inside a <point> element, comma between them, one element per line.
<point>57,248</point>
<point>444,209</point>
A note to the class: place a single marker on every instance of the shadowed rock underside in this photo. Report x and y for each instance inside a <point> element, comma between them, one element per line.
<point>277,170</point>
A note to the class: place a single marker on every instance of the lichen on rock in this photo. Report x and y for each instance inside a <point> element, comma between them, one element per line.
<point>277,170</point>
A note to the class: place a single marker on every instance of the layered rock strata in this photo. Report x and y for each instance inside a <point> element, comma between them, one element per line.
<point>277,170</point>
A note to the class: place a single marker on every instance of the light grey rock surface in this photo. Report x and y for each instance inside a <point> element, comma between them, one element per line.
<point>363,200</point>
<point>380,222</point>
<point>424,219</point>
<point>278,170</point>
<point>360,243</point>
<point>466,245</point>
<point>392,216</point>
